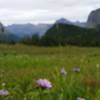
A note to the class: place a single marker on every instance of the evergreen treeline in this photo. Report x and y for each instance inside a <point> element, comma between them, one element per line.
<point>62,34</point>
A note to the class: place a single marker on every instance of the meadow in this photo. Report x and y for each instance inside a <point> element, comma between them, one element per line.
<point>21,66</point>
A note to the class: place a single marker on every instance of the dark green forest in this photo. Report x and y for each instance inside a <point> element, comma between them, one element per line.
<point>63,34</point>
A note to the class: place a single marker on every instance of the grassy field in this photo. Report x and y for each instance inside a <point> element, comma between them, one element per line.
<point>21,66</point>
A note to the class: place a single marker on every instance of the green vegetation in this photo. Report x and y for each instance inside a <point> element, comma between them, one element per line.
<point>21,66</point>
<point>58,34</point>
<point>63,34</point>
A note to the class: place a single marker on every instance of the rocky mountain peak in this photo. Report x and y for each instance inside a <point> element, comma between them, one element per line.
<point>94,18</point>
<point>63,21</point>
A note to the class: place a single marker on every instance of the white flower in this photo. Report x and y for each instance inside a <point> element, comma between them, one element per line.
<point>63,71</point>
<point>76,69</point>
<point>3,84</point>
<point>79,98</point>
<point>97,65</point>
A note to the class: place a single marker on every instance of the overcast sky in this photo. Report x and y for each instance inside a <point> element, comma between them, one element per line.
<point>46,11</point>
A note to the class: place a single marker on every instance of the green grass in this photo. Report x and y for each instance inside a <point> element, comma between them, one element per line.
<point>21,66</point>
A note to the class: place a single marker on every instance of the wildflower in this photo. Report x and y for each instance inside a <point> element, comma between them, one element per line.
<point>3,84</point>
<point>4,93</point>
<point>44,83</point>
<point>79,98</point>
<point>76,69</point>
<point>63,72</point>
<point>97,65</point>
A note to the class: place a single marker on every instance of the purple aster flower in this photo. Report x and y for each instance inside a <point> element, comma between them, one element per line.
<point>4,93</point>
<point>44,83</point>
<point>63,72</point>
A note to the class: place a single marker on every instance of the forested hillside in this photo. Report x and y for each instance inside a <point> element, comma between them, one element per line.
<point>63,34</point>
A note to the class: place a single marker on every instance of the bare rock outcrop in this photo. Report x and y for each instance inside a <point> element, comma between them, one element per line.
<point>94,19</point>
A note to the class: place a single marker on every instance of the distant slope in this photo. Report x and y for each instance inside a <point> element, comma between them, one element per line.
<point>65,21</point>
<point>6,36</point>
<point>22,30</point>
<point>28,29</point>
<point>63,34</point>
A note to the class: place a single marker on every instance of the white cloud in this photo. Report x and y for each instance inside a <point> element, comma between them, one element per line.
<point>35,11</point>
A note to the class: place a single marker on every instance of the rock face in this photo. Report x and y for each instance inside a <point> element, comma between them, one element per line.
<point>94,19</point>
<point>1,28</point>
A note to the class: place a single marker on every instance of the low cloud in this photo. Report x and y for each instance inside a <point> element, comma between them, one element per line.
<point>35,11</point>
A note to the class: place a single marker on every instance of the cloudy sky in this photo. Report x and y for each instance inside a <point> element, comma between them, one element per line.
<point>46,11</point>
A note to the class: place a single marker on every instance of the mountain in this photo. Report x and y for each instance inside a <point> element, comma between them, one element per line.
<point>94,19</point>
<point>62,31</point>
<point>6,36</point>
<point>28,29</point>
<point>80,24</point>
<point>42,28</point>
<point>92,22</point>
<point>65,21</point>
<point>22,30</point>
<point>63,34</point>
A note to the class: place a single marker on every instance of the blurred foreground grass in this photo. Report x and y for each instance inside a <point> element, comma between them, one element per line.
<point>21,66</point>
